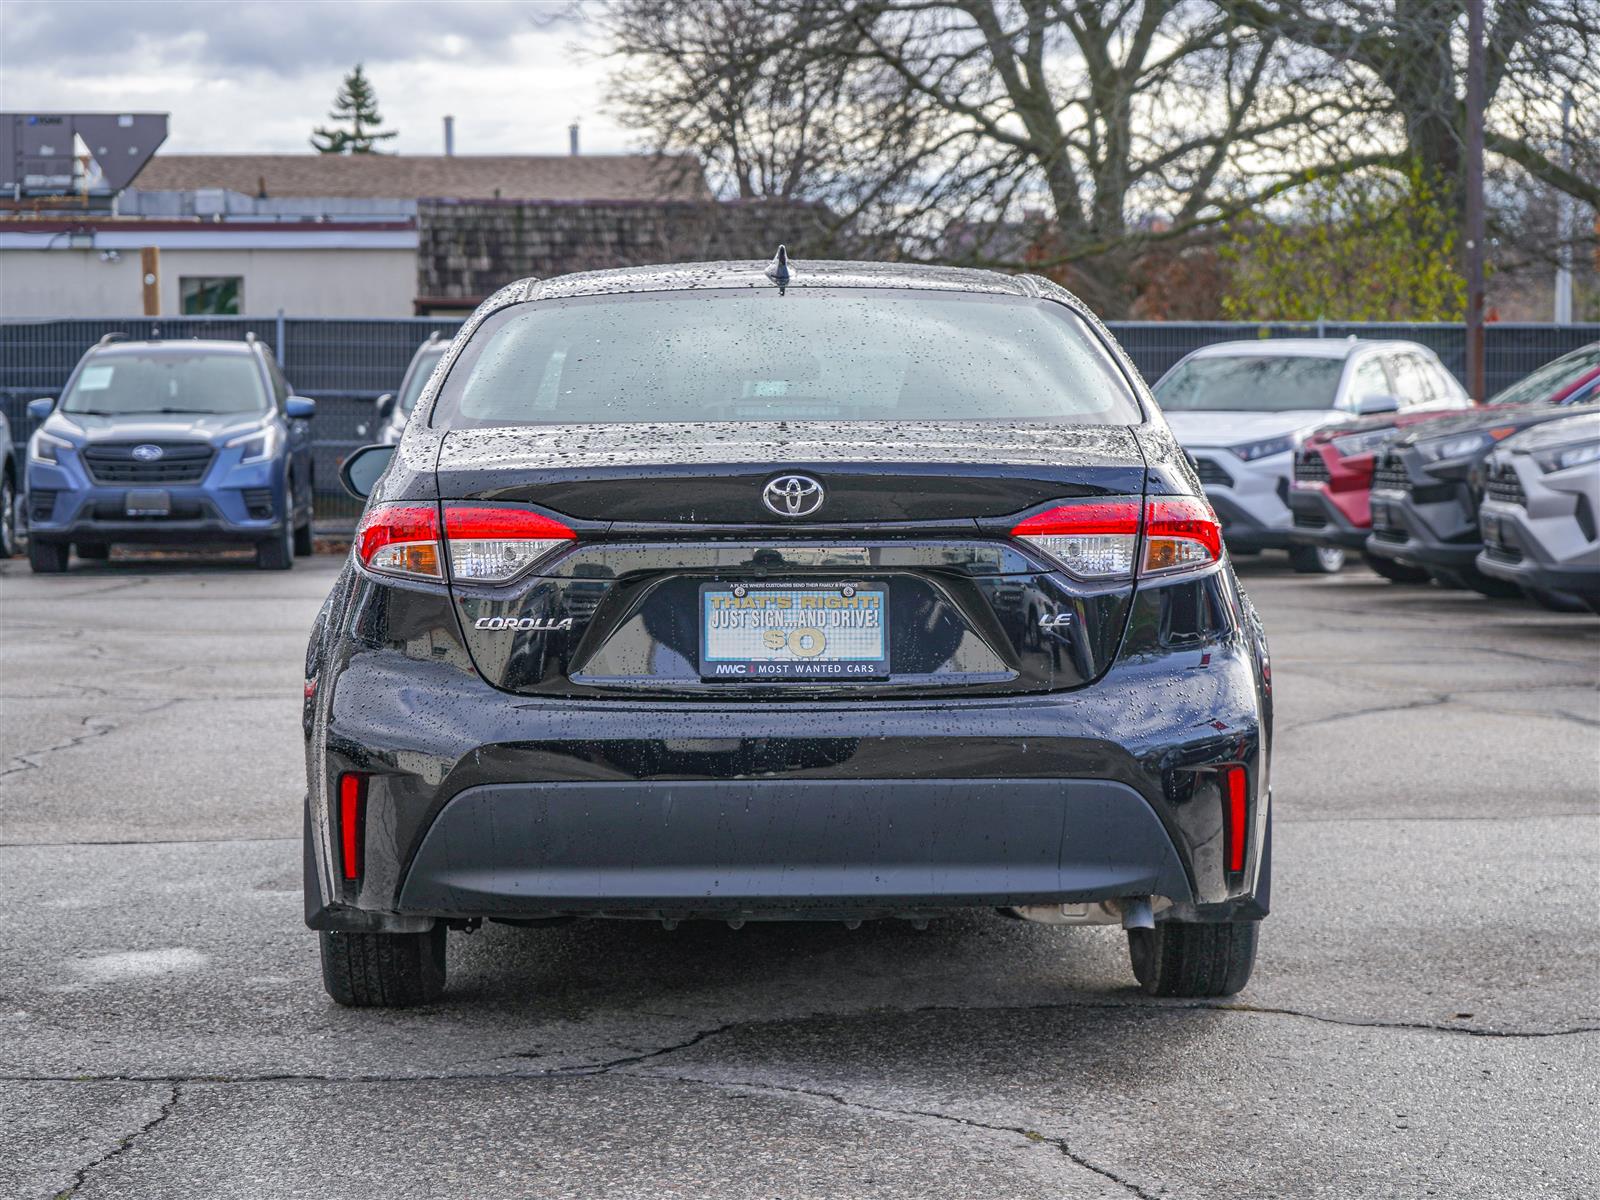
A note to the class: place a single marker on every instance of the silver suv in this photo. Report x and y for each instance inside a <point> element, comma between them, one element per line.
<point>1540,503</point>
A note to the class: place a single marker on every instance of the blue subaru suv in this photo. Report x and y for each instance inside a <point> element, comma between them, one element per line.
<point>176,443</point>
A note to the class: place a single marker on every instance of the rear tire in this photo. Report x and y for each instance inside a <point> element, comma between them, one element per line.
<point>1392,571</point>
<point>277,552</point>
<point>93,551</point>
<point>383,970</point>
<point>48,558</point>
<point>1317,560</point>
<point>1179,958</point>
<point>8,515</point>
<point>1560,602</point>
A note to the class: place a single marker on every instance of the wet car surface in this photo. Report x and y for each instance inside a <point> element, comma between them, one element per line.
<point>1422,1019</point>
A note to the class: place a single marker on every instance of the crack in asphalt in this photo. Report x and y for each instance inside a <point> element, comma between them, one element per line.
<point>614,1065</point>
<point>1462,698</point>
<point>1031,1135</point>
<point>97,726</point>
<point>1433,701</point>
<point>82,1173</point>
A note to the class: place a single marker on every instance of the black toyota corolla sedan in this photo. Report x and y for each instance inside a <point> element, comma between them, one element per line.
<point>811,591</point>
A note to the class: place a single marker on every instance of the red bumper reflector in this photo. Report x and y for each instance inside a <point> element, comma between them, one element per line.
<point>1234,811</point>
<point>352,816</point>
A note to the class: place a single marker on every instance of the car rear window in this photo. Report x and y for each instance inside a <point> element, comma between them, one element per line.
<point>833,354</point>
<point>166,381</point>
<point>1250,383</point>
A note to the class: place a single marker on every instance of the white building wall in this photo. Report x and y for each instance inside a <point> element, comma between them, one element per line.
<point>333,282</point>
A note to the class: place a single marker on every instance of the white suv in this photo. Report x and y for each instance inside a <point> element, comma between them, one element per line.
<point>1241,409</point>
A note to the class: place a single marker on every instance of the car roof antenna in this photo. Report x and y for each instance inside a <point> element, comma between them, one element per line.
<point>778,270</point>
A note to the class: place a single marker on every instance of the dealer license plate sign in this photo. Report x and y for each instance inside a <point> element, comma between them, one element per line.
<point>147,503</point>
<point>794,631</point>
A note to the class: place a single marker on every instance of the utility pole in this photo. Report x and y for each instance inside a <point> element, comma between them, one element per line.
<point>1475,224</point>
<point>1564,230</point>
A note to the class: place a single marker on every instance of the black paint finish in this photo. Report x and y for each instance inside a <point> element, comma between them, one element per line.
<point>989,728</point>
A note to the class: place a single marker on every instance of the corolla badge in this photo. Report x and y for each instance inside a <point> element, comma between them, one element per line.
<point>793,495</point>
<point>147,453</point>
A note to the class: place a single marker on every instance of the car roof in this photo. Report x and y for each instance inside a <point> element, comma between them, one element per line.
<point>804,273</point>
<point>1301,348</point>
<point>176,346</point>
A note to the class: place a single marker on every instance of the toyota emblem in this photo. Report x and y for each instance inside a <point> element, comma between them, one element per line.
<point>793,495</point>
<point>147,453</point>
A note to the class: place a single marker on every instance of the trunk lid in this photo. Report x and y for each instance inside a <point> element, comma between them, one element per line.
<point>673,535</point>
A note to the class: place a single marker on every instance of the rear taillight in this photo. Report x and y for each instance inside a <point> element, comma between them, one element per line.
<point>495,545</point>
<point>485,543</point>
<point>400,539</point>
<point>1097,540</point>
<point>1180,533</point>
<point>1090,539</point>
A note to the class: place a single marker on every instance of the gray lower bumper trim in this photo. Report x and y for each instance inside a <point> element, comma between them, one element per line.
<point>540,848</point>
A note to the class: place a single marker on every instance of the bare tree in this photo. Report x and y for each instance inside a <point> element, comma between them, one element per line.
<point>1406,60</point>
<point>1065,135</point>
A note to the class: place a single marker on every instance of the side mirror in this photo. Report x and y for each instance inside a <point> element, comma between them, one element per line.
<point>299,408</point>
<point>360,472</point>
<point>41,408</point>
<point>385,405</point>
<point>1371,406</point>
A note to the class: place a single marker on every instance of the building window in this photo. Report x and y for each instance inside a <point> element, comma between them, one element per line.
<point>211,295</point>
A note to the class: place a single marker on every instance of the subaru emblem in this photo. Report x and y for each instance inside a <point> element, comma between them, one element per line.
<point>793,495</point>
<point>147,453</point>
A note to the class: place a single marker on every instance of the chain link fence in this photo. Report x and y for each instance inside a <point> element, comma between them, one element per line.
<point>346,363</point>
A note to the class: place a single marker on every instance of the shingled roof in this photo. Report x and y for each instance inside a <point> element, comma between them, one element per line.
<point>543,177</point>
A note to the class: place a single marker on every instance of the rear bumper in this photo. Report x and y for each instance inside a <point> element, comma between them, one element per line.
<point>713,848</point>
<point>484,805</point>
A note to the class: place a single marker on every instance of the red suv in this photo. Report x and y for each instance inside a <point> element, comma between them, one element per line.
<point>1332,481</point>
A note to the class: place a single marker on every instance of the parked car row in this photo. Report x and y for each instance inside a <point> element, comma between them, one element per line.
<point>1500,498</point>
<point>1242,409</point>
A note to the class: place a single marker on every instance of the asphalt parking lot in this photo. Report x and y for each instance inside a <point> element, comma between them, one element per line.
<point>1424,1019</point>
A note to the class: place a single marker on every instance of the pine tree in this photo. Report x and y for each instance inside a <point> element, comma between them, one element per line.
<point>356,105</point>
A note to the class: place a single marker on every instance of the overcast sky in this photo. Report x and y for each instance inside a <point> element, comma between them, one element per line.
<point>257,75</point>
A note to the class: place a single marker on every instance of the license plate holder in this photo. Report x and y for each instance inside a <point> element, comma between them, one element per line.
<point>793,631</point>
<point>148,502</point>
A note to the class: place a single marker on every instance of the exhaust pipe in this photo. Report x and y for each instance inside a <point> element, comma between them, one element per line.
<point>1136,913</point>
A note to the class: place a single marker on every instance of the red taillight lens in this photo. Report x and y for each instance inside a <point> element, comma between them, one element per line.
<point>487,544</point>
<point>495,545</point>
<point>352,816</point>
<point>1099,539</point>
<point>400,539</point>
<point>1181,533</point>
<point>1235,811</point>
<point>1090,539</point>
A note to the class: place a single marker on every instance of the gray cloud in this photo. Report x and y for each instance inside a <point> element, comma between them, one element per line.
<point>287,38</point>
